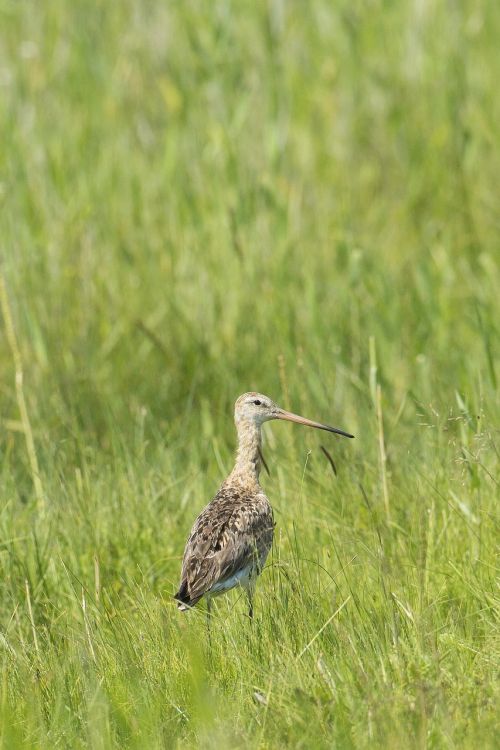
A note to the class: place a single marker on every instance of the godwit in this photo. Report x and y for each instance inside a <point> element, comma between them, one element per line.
<point>231,538</point>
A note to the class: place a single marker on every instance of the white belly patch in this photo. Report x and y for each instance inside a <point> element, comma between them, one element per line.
<point>241,578</point>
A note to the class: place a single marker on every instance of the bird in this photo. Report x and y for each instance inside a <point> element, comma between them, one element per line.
<point>231,538</point>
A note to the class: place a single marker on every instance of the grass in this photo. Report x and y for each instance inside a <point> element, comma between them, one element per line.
<point>199,199</point>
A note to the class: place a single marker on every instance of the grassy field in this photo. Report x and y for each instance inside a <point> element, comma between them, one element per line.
<point>200,199</point>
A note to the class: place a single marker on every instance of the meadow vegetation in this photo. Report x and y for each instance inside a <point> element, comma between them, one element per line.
<point>200,199</point>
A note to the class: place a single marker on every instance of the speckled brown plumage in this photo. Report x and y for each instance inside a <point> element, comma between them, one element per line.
<point>231,538</point>
<point>232,535</point>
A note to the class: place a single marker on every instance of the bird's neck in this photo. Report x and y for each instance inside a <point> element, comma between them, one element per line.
<point>248,460</point>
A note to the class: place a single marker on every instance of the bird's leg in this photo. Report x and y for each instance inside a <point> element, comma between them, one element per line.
<point>209,615</point>
<point>249,593</point>
<point>209,629</point>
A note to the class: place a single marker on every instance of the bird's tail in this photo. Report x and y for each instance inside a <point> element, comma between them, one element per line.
<point>183,598</point>
<point>183,606</point>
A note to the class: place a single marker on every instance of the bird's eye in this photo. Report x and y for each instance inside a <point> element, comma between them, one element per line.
<point>257,402</point>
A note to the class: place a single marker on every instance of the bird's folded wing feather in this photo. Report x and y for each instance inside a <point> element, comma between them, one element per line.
<point>226,538</point>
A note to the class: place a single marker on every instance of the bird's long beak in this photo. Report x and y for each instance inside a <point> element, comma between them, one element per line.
<point>282,414</point>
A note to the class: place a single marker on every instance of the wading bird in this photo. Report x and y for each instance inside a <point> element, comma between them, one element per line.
<point>232,536</point>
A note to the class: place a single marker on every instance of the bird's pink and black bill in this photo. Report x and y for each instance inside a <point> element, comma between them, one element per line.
<point>290,417</point>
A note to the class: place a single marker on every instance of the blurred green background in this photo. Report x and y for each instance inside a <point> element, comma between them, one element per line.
<point>200,199</point>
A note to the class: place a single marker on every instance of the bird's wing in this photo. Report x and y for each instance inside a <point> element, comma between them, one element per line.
<point>229,535</point>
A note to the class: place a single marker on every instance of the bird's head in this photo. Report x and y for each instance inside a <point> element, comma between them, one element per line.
<point>257,408</point>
